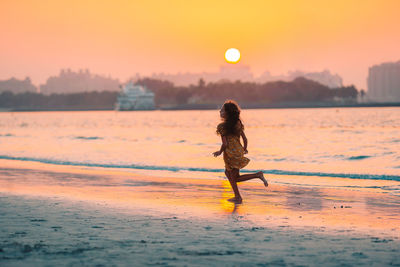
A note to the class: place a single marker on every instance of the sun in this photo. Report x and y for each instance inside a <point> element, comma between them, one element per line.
<point>232,55</point>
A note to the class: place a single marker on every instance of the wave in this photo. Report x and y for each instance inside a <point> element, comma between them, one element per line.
<point>197,169</point>
<point>358,157</point>
<point>88,137</point>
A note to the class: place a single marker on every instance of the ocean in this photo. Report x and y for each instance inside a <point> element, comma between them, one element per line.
<point>348,143</point>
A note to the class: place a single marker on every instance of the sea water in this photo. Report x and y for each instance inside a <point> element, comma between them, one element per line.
<point>348,143</point>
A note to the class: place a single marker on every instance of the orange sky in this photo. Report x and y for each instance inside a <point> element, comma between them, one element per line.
<point>123,37</point>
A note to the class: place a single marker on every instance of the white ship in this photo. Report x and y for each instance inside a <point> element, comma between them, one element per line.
<point>135,97</point>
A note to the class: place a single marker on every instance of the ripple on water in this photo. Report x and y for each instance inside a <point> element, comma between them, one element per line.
<point>87,137</point>
<point>7,135</point>
<point>361,157</point>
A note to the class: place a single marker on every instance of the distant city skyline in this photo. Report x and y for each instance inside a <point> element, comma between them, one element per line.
<point>243,73</point>
<point>70,81</point>
<point>257,77</point>
<point>384,82</point>
<point>120,38</point>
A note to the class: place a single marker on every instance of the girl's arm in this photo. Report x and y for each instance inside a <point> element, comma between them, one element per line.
<point>244,142</point>
<point>223,146</point>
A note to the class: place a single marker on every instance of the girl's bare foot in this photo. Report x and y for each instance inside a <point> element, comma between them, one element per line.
<point>261,174</point>
<point>236,200</point>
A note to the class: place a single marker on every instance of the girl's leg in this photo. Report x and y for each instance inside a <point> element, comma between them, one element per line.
<point>232,180</point>
<point>246,177</point>
<point>227,174</point>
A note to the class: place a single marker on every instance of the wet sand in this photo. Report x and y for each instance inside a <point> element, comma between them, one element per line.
<point>53,215</point>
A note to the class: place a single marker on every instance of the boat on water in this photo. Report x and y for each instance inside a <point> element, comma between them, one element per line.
<point>135,97</point>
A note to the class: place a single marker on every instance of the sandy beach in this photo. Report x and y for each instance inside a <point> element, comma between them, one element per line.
<point>79,216</point>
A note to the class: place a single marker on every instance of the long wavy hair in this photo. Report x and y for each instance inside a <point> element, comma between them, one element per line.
<point>231,122</point>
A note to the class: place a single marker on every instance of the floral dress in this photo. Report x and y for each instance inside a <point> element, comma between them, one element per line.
<point>234,153</point>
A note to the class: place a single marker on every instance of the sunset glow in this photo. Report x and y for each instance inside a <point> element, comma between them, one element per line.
<point>122,38</point>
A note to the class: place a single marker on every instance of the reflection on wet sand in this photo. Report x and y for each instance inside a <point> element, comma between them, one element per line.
<point>227,193</point>
<point>298,199</point>
<point>277,205</point>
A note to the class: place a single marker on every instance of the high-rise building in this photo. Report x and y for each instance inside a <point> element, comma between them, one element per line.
<point>384,82</point>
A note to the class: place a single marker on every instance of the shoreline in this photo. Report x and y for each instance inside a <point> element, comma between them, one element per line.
<point>175,169</point>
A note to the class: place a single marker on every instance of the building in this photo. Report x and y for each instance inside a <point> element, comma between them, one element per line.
<point>324,77</point>
<point>231,72</point>
<point>17,86</point>
<point>234,72</point>
<point>135,97</point>
<point>384,82</point>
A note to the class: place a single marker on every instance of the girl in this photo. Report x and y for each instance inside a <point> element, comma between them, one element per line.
<point>230,130</point>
